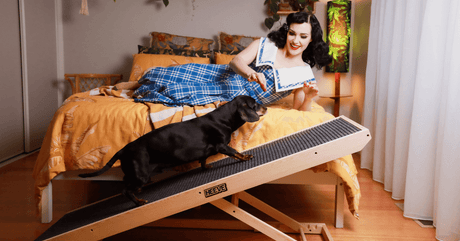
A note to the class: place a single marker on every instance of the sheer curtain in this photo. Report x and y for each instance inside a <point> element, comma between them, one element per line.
<point>412,108</point>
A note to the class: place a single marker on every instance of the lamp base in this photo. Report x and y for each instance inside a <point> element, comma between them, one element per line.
<point>337,93</point>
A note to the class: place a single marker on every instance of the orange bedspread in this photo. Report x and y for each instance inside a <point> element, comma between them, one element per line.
<point>89,128</point>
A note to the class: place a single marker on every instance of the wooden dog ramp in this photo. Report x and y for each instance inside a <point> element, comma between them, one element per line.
<point>279,158</point>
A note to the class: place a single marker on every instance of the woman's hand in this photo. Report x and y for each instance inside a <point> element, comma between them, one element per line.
<point>311,90</point>
<point>240,64</point>
<point>303,96</point>
<point>260,79</point>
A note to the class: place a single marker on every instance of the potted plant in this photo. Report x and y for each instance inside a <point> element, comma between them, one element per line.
<point>284,7</point>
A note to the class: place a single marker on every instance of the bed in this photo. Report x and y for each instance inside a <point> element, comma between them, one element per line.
<point>90,127</point>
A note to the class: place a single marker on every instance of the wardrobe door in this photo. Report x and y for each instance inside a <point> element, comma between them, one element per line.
<point>11,104</point>
<point>40,78</point>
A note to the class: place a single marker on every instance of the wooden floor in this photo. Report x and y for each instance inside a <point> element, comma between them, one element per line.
<point>380,218</point>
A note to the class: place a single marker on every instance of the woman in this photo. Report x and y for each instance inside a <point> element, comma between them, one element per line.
<point>263,63</point>
<point>299,40</point>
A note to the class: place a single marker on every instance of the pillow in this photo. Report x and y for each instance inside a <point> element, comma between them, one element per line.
<point>223,58</point>
<point>160,40</point>
<point>233,44</point>
<point>143,62</point>
<point>181,52</point>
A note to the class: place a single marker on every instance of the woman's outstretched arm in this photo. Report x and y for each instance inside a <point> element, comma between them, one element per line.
<point>240,64</point>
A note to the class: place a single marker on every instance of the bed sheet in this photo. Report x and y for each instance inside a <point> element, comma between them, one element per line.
<point>90,127</point>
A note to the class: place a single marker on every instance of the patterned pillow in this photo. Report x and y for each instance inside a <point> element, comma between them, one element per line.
<point>233,44</point>
<point>179,52</point>
<point>161,40</point>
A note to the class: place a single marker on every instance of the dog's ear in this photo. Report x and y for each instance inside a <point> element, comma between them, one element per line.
<point>248,114</point>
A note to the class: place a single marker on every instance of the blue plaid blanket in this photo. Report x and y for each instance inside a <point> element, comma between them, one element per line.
<point>200,84</point>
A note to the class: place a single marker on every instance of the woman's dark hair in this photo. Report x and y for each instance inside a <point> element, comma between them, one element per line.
<point>317,52</point>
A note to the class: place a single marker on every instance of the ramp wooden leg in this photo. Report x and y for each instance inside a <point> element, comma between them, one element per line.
<point>302,234</point>
<point>235,199</point>
<point>251,220</point>
<point>270,211</point>
<point>301,228</point>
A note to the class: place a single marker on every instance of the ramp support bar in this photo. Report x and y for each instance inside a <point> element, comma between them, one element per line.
<point>301,228</point>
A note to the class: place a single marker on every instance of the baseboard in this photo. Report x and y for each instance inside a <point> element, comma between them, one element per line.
<point>18,157</point>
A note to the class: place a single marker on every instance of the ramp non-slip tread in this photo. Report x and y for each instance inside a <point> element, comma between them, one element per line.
<point>263,154</point>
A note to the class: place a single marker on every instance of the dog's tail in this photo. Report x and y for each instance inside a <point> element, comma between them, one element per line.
<point>105,168</point>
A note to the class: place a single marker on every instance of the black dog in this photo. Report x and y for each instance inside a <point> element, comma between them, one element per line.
<point>183,142</point>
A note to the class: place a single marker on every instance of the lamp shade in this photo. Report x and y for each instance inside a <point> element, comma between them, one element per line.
<point>338,35</point>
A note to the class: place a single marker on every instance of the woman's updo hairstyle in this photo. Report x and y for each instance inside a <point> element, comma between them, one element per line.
<point>317,52</point>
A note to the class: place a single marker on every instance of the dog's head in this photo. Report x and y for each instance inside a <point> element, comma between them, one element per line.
<point>249,109</point>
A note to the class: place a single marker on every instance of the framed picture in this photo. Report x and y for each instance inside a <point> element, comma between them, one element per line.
<point>290,6</point>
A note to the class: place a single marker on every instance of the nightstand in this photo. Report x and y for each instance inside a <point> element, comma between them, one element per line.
<point>336,99</point>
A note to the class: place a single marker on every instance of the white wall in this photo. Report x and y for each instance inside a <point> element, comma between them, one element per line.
<point>104,41</point>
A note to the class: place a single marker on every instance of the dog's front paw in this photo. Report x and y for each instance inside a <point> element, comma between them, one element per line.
<point>243,157</point>
<point>248,157</point>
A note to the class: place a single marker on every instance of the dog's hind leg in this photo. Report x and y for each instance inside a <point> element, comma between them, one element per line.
<point>204,166</point>
<point>129,193</point>
<point>136,176</point>
<point>134,185</point>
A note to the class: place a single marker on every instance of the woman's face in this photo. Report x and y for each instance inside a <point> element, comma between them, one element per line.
<point>298,38</point>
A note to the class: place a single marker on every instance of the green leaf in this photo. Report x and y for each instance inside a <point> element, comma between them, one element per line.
<point>301,1</point>
<point>269,22</point>
<point>276,17</point>
<point>274,7</point>
<point>166,2</point>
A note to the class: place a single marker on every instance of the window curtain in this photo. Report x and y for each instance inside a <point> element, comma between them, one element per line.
<point>412,108</point>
